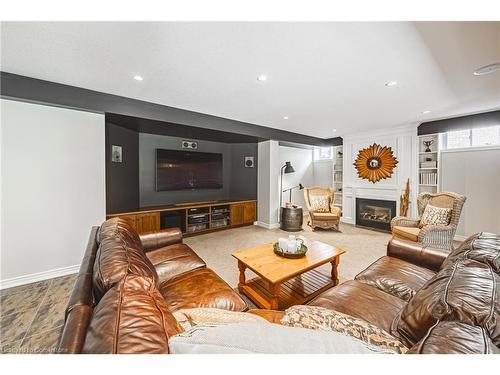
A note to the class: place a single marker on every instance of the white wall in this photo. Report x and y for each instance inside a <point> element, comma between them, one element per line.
<point>474,173</point>
<point>323,173</point>
<point>53,189</point>
<point>301,160</point>
<point>403,141</point>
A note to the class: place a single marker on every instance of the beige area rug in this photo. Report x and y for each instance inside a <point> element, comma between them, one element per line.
<point>362,248</point>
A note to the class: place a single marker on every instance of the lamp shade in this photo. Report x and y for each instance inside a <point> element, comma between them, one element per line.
<point>289,168</point>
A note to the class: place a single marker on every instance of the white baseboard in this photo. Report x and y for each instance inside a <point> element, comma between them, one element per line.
<point>267,226</point>
<point>39,276</point>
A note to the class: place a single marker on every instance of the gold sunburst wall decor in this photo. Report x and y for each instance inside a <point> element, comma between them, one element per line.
<point>375,163</point>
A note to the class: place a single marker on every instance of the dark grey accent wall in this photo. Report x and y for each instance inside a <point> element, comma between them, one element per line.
<point>122,179</point>
<point>238,182</point>
<point>148,196</point>
<point>39,91</point>
<point>480,120</point>
<point>243,182</point>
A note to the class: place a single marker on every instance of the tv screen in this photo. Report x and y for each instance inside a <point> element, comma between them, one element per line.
<point>187,170</point>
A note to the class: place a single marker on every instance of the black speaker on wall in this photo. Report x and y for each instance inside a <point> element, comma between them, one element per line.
<point>191,145</point>
<point>249,162</point>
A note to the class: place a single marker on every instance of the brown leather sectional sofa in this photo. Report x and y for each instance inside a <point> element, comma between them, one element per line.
<point>129,286</point>
<point>432,300</point>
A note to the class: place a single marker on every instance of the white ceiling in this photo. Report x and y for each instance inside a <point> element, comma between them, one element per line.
<point>323,76</point>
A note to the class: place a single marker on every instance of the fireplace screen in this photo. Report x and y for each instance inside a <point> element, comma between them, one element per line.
<point>375,213</point>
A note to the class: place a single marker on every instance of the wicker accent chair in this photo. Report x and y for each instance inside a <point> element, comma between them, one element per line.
<point>431,235</point>
<point>325,220</point>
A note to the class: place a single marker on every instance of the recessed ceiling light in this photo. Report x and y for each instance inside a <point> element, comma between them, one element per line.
<point>334,130</point>
<point>262,78</point>
<point>426,112</point>
<point>487,69</point>
<point>285,117</point>
<point>391,83</point>
<point>138,78</point>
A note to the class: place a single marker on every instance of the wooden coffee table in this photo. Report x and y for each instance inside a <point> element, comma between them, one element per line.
<point>282,282</point>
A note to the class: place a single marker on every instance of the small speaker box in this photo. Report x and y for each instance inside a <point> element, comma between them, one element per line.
<point>191,145</point>
<point>249,162</point>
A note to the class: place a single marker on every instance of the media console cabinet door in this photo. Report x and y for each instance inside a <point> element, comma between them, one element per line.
<point>237,213</point>
<point>131,220</point>
<point>249,212</point>
<point>148,222</point>
<point>243,213</point>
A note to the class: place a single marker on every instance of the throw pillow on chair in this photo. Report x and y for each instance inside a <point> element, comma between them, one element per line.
<point>320,203</point>
<point>435,216</point>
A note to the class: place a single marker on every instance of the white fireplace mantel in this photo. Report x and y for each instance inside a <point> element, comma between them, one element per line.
<point>403,141</point>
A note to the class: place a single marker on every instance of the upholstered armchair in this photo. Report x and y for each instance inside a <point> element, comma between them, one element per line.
<point>431,235</point>
<point>326,217</point>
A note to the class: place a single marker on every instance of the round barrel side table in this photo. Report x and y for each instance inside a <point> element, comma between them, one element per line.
<point>291,219</point>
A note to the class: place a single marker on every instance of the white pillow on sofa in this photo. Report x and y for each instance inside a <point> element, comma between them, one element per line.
<point>240,338</point>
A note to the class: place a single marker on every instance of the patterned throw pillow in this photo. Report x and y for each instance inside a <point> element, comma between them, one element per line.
<point>435,216</point>
<point>320,203</point>
<point>314,317</point>
<point>189,318</point>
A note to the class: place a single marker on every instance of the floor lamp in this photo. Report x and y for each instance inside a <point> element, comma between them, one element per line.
<point>287,168</point>
<point>299,186</point>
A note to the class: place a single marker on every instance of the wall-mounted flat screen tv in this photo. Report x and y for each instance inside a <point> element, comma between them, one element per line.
<point>187,170</point>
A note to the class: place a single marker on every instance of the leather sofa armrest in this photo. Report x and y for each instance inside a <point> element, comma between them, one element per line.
<point>413,252</point>
<point>75,329</point>
<point>273,316</point>
<point>153,241</point>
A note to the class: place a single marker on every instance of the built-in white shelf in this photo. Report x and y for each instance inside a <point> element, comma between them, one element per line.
<point>428,173</point>
<point>338,175</point>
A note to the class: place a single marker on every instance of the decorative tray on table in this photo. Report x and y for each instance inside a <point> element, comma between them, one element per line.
<point>299,254</point>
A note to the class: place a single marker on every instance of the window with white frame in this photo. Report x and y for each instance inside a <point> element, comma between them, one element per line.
<point>478,137</point>
<point>323,153</point>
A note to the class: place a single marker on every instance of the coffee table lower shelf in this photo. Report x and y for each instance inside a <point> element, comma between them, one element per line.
<point>296,291</point>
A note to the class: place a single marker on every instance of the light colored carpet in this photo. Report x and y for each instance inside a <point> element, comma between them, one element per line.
<point>362,248</point>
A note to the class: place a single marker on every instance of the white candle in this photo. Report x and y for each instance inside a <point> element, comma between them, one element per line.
<point>292,246</point>
<point>283,244</point>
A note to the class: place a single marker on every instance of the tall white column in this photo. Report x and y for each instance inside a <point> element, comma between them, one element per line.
<point>268,184</point>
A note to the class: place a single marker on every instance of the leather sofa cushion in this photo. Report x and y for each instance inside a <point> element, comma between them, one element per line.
<point>362,301</point>
<point>451,337</point>
<point>409,233</point>
<point>132,318</point>
<point>272,316</point>
<point>153,241</point>
<point>467,292</point>
<point>174,260</point>
<point>396,277</point>
<point>111,226</point>
<point>481,247</point>
<point>416,253</point>
<point>119,254</point>
<point>200,288</point>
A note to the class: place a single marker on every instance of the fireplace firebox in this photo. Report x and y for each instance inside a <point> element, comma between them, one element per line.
<point>375,213</point>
